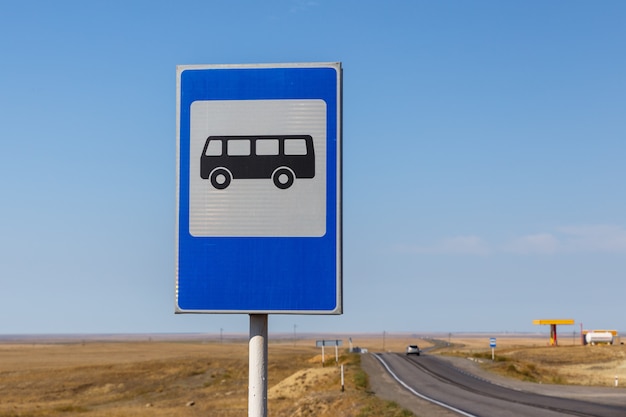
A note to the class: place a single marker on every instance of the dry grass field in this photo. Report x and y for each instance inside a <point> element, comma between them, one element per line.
<point>208,378</point>
<point>531,359</point>
<point>187,378</point>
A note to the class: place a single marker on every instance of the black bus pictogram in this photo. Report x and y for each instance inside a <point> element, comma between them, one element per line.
<point>281,158</point>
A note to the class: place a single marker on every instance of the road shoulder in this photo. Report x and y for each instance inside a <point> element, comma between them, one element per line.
<point>385,387</point>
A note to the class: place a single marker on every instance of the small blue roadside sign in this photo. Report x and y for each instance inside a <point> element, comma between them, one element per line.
<point>258,220</point>
<point>492,342</point>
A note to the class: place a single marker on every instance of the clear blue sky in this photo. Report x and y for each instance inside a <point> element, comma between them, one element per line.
<point>484,159</point>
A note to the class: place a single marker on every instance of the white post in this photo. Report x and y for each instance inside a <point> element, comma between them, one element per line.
<point>616,380</point>
<point>336,353</point>
<point>342,386</point>
<point>323,353</point>
<point>257,366</point>
<point>493,354</point>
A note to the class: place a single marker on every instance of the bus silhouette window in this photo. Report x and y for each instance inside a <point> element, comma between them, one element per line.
<point>295,147</point>
<point>238,147</point>
<point>281,158</point>
<point>214,148</point>
<point>267,147</point>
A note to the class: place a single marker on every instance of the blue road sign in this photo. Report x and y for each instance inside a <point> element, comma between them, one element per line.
<point>492,342</point>
<point>259,189</point>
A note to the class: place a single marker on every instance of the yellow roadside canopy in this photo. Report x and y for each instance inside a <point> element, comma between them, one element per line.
<point>554,321</point>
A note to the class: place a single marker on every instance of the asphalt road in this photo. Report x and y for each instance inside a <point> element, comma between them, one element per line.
<point>433,386</point>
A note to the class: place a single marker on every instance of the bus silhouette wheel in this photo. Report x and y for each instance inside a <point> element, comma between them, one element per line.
<point>283,178</point>
<point>220,178</point>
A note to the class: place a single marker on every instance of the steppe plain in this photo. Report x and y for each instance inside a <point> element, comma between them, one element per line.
<point>205,376</point>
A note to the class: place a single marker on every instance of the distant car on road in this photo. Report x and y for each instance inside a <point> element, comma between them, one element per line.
<point>413,350</point>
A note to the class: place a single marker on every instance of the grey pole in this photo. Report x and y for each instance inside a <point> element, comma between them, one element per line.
<point>257,373</point>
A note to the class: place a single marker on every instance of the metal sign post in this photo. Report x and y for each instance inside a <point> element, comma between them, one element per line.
<point>257,366</point>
